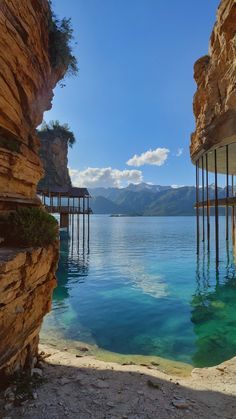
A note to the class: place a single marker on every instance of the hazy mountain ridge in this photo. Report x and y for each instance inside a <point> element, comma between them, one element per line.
<point>145,199</point>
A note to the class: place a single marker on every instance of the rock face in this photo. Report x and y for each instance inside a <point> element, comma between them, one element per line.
<point>27,78</point>
<point>53,153</point>
<point>26,83</point>
<point>27,278</point>
<point>215,75</point>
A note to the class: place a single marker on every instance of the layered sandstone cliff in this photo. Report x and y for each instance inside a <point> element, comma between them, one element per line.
<point>215,75</point>
<point>26,83</point>
<point>27,79</point>
<point>54,156</point>
<point>27,278</point>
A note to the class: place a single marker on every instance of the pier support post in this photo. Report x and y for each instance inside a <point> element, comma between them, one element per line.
<point>203,206</point>
<point>216,210</point>
<point>208,206</point>
<point>227,192</point>
<point>64,220</point>
<point>197,203</point>
<point>83,221</point>
<point>88,220</point>
<point>233,214</point>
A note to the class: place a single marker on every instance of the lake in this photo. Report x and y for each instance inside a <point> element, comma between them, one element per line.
<point>141,289</point>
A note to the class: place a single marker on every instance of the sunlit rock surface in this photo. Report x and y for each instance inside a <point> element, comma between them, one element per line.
<point>27,277</point>
<point>26,83</point>
<point>215,75</point>
<point>54,153</point>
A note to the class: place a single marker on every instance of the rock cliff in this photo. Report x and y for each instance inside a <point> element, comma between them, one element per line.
<point>27,279</point>
<point>27,79</point>
<point>215,75</point>
<point>26,90</point>
<point>53,153</point>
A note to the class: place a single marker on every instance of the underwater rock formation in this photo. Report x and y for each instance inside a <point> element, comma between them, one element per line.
<point>215,75</point>
<point>27,78</point>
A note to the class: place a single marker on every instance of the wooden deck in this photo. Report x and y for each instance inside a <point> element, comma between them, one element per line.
<point>65,209</point>
<point>222,202</point>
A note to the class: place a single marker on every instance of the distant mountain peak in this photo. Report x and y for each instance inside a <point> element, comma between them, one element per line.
<point>146,187</point>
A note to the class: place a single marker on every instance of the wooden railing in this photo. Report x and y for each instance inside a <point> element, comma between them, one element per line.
<point>65,209</point>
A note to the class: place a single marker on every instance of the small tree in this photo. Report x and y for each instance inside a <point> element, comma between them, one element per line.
<point>54,129</point>
<point>60,48</point>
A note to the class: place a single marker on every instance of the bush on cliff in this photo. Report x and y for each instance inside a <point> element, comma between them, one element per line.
<point>28,227</point>
<point>60,49</point>
<point>54,129</point>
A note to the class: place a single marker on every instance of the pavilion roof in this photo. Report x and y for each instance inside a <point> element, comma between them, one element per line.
<point>71,192</point>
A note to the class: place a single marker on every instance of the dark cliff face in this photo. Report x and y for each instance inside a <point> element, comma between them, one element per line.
<point>53,153</point>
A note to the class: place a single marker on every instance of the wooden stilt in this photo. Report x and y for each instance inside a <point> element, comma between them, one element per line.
<point>203,206</point>
<point>208,206</point>
<point>83,221</point>
<point>227,193</point>
<point>197,203</point>
<point>88,220</point>
<point>216,210</point>
<point>233,214</point>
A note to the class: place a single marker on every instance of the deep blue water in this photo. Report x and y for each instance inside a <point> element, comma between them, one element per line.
<point>141,289</point>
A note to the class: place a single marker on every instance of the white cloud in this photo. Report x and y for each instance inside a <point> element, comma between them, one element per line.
<point>179,152</point>
<point>93,177</point>
<point>153,157</point>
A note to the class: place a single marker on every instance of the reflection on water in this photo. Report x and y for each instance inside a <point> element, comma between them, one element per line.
<point>142,290</point>
<point>214,315</point>
<point>72,269</point>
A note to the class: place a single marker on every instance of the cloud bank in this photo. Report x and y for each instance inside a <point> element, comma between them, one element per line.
<point>93,177</point>
<point>152,157</point>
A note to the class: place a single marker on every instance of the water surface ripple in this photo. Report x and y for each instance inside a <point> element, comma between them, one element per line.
<point>142,290</point>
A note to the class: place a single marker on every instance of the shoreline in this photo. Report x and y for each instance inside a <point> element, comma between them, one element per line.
<point>76,347</point>
<point>82,386</point>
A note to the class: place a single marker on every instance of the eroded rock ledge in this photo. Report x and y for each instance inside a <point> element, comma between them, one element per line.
<point>27,79</point>
<point>27,279</point>
<point>26,90</point>
<point>215,74</point>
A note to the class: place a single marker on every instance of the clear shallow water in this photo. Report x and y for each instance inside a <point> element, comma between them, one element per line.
<point>142,290</point>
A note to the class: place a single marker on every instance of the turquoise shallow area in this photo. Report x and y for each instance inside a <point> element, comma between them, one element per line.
<point>140,289</point>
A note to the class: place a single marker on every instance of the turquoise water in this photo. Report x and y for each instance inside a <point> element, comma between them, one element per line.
<point>140,289</point>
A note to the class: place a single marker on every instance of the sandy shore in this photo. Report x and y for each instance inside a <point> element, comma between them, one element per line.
<point>81,386</point>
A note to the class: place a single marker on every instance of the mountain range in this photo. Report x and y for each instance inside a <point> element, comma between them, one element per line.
<point>144,199</point>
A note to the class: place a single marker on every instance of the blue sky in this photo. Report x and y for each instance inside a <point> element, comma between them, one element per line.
<point>135,87</point>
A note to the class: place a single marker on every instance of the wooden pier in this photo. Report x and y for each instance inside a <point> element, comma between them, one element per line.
<point>217,161</point>
<point>69,203</point>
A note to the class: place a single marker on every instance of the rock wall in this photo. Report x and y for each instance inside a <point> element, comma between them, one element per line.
<point>27,279</point>
<point>26,83</point>
<point>54,153</point>
<point>215,74</point>
<point>27,79</point>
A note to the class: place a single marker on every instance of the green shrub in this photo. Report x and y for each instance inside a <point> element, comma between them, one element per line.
<point>28,227</point>
<point>60,49</point>
<point>54,129</point>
